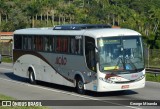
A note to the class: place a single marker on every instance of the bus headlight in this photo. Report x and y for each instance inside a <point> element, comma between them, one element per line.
<point>106,80</point>
<point>140,78</point>
<point>109,81</point>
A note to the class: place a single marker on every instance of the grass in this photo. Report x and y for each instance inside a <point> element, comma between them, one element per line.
<point>3,97</point>
<point>6,59</point>
<point>152,77</point>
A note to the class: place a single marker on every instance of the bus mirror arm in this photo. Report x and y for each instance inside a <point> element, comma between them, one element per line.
<point>97,57</point>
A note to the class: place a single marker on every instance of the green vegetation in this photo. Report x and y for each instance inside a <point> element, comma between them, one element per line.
<point>6,59</point>
<point>3,97</point>
<point>140,15</point>
<point>152,77</point>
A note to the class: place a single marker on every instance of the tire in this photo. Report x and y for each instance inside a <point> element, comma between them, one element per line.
<point>80,86</point>
<point>32,77</point>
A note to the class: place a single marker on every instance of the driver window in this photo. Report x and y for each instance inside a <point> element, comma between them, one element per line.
<point>90,53</point>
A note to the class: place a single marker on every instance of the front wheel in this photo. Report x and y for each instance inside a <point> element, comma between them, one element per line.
<point>80,86</point>
<point>32,77</point>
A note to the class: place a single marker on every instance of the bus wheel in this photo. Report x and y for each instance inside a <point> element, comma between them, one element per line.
<point>80,86</point>
<point>32,77</point>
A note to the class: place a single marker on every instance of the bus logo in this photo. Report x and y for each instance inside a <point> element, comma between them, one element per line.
<point>134,76</point>
<point>78,37</point>
<point>61,60</point>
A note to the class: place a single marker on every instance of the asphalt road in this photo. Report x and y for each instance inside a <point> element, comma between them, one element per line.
<point>20,89</point>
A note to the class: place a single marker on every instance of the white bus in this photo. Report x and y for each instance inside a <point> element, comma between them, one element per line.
<point>84,56</point>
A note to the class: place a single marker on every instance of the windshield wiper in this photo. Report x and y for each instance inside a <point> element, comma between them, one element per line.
<point>120,60</point>
<point>124,62</point>
<point>132,64</point>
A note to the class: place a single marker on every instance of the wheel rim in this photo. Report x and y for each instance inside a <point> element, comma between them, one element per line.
<point>80,85</point>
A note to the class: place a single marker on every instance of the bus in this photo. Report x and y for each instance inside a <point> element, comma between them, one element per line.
<point>91,57</point>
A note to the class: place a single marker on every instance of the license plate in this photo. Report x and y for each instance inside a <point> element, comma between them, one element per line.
<point>125,87</point>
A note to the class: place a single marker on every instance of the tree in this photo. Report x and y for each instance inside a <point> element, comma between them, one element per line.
<point>16,20</point>
<point>32,9</point>
<point>140,15</point>
<point>2,10</point>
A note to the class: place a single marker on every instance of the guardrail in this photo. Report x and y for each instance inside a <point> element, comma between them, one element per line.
<point>6,55</point>
<point>153,70</point>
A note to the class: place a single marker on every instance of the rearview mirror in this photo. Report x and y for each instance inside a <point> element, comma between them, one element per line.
<point>91,45</point>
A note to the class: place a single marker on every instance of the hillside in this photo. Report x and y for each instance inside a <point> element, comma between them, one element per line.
<point>140,15</point>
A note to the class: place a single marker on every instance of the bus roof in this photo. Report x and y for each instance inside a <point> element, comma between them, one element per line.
<point>96,32</point>
<point>80,26</point>
<point>111,32</point>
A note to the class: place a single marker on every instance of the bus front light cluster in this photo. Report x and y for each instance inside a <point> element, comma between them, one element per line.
<point>106,80</point>
<point>140,78</point>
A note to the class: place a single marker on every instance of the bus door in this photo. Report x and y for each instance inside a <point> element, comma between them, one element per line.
<point>90,53</point>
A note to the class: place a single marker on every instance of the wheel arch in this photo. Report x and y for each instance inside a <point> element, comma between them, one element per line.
<point>79,75</point>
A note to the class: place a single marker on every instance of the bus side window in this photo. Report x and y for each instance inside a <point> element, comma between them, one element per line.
<point>76,46</point>
<point>29,42</point>
<point>72,45</point>
<point>57,44</point>
<point>46,44</point>
<point>65,44</point>
<point>90,53</point>
<point>50,44</point>
<point>25,42</point>
<point>62,44</point>
<point>17,42</point>
<point>38,43</point>
<point>53,43</point>
<point>34,43</point>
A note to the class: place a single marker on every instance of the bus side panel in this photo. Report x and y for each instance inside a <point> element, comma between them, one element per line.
<point>70,65</point>
<point>43,71</point>
<point>53,67</point>
<point>19,70</point>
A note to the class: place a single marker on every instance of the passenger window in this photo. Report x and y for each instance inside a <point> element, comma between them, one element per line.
<point>38,40</point>
<point>48,43</point>
<point>53,43</point>
<point>76,45</point>
<point>25,40</point>
<point>17,42</point>
<point>62,44</point>
<point>29,42</point>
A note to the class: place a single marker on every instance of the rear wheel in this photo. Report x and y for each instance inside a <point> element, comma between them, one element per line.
<point>32,77</point>
<point>80,86</point>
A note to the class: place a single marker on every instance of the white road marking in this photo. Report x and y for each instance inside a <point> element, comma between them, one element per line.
<point>63,92</point>
<point>6,69</point>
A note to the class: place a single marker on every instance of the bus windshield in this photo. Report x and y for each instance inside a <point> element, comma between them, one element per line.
<point>120,53</point>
